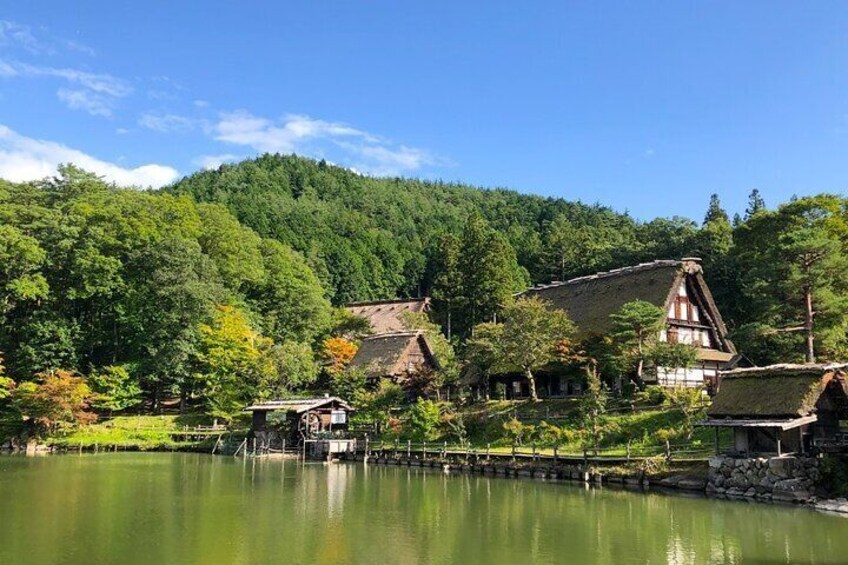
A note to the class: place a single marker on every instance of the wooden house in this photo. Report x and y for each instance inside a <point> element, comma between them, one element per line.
<point>297,420</point>
<point>394,356</point>
<point>386,316</point>
<point>782,409</point>
<point>677,286</point>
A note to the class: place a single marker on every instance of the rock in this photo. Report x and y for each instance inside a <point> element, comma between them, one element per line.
<point>781,467</point>
<point>751,492</point>
<point>716,462</point>
<point>691,483</point>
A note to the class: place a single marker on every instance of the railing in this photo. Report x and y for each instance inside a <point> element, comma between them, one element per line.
<point>631,453</point>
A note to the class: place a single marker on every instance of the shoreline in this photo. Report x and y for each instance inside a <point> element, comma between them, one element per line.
<point>679,484</point>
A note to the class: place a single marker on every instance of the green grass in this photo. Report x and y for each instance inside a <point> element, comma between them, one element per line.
<point>645,429</point>
<point>138,432</point>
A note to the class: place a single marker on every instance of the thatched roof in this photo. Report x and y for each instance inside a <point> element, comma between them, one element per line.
<point>297,405</point>
<point>385,315</point>
<point>776,391</point>
<point>590,300</point>
<point>386,355</point>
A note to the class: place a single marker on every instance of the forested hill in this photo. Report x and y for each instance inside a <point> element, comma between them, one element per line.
<point>370,238</point>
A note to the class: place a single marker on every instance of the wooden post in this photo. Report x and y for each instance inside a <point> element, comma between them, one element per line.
<point>284,446</point>
<point>534,451</point>
<point>513,452</point>
<point>424,453</point>
<point>366,445</point>
<point>556,453</point>
<point>777,438</point>
<point>445,450</point>
<point>628,451</point>
<point>409,449</point>
<point>667,450</point>
<point>488,449</point>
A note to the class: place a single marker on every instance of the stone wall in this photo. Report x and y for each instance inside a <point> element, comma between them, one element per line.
<point>786,478</point>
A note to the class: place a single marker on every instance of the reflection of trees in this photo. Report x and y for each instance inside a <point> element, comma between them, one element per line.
<point>193,508</point>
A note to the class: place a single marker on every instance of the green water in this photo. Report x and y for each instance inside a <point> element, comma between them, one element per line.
<point>188,508</point>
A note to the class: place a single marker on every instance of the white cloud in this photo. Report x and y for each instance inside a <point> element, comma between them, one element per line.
<point>167,123</point>
<point>215,161</point>
<point>297,133</point>
<point>12,33</point>
<point>24,158</point>
<point>201,103</point>
<point>94,93</point>
<point>91,102</point>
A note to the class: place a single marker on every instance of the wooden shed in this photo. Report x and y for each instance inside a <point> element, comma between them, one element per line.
<point>782,408</point>
<point>299,420</point>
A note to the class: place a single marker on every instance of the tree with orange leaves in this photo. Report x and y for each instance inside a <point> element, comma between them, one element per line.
<point>56,400</point>
<point>338,353</point>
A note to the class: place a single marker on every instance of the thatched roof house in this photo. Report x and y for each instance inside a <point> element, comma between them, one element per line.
<point>305,418</point>
<point>676,286</point>
<point>762,405</point>
<point>395,355</point>
<point>385,316</point>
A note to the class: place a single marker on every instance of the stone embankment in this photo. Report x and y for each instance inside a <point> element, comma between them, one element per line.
<point>785,479</point>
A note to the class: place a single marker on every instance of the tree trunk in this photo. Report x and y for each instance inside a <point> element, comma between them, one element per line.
<point>449,321</point>
<point>531,381</point>
<point>808,324</point>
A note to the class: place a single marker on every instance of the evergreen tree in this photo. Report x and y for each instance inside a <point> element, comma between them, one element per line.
<point>755,204</point>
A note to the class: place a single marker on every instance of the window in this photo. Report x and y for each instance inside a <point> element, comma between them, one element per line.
<point>338,417</point>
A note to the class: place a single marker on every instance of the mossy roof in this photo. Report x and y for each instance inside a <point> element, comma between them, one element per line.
<point>385,355</point>
<point>386,315</point>
<point>776,391</point>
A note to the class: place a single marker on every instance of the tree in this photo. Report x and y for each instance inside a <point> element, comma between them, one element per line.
<point>176,297</point>
<point>337,353</point>
<point>232,363</point>
<point>21,258</point>
<point>635,330</point>
<point>447,286</point>
<point>424,418</point>
<point>116,388</point>
<point>447,370</point>
<point>7,385</point>
<point>593,407</point>
<point>793,292</point>
<point>55,401</point>
<point>480,356</point>
<point>295,367</point>
<point>689,401</point>
<point>530,337</point>
<point>755,204</point>
<point>715,212</point>
<point>489,273</point>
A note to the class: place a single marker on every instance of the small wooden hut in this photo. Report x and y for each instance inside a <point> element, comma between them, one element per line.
<point>300,420</point>
<point>782,408</point>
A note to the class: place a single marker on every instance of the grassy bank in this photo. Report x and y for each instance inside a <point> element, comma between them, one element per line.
<point>145,433</point>
<point>642,430</point>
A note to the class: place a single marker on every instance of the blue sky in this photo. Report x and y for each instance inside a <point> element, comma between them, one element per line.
<point>648,107</point>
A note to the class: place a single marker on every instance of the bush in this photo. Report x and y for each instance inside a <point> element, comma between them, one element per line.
<point>424,417</point>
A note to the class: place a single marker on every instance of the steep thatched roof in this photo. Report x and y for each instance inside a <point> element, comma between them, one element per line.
<point>386,355</point>
<point>385,315</point>
<point>776,391</point>
<point>589,301</point>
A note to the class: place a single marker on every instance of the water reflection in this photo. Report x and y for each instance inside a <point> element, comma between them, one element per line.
<point>181,508</point>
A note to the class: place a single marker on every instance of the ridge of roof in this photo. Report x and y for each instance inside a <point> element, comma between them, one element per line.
<point>784,369</point>
<point>615,272</point>
<point>400,333</point>
<point>387,302</point>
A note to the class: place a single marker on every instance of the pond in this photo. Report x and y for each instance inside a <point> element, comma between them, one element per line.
<point>191,508</point>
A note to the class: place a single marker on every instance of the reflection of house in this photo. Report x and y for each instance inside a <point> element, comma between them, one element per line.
<point>678,287</point>
<point>298,419</point>
<point>387,315</point>
<point>782,408</point>
<point>394,356</point>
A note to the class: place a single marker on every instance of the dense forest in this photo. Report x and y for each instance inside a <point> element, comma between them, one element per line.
<point>222,287</point>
